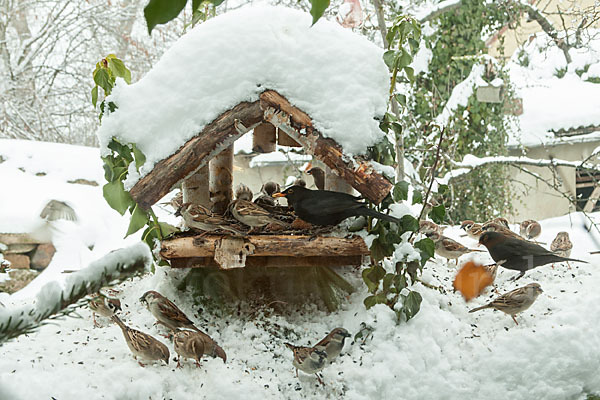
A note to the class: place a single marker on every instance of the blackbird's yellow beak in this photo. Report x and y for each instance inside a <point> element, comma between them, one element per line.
<point>278,195</point>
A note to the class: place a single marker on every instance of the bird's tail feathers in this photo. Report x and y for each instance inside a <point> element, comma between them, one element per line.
<point>219,352</point>
<point>479,308</point>
<point>385,217</point>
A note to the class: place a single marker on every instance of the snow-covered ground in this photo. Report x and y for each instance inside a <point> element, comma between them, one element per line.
<point>444,352</point>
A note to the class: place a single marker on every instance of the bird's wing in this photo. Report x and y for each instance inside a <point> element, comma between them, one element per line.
<point>330,203</point>
<point>174,313</point>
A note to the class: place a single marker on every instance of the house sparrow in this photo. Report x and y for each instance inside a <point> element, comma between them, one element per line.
<point>195,344</point>
<point>198,217</point>
<point>300,182</point>
<point>473,229</point>
<point>500,228</point>
<point>169,315</point>
<point>104,306</point>
<point>325,207</point>
<point>56,210</point>
<point>449,248</point>
<point>308,359</point>
<point>518,254</point>
<point>165,311</point>
<point>177,201</point>
<point>562,245</point>
<point>333,343</point>
<point>265,197</point>
<point>491,269</point>
<point>500,220</point>
<point>530,229</point>
<point>515,301</point>
<point>318,176</point>
<point>249,213</point>
<point>188,344</point>
<point>426,227</point>
<point>143,345</point>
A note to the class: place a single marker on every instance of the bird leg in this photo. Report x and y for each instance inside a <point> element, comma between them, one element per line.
<point>320,380</point>
<point>198,363</point>
<point>514,319</point>
<point>296,372</point>
<point>516,278</point>
<point>568,265</point>
<point>178,363</point>
<point>96,324</point>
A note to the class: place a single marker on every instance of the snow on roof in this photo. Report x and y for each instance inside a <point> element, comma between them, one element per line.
<point>336,76</point>
<point>550,103</point>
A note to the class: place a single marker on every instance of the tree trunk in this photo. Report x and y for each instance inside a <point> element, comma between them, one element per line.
<point>221,180</point>
<point>196,188</point>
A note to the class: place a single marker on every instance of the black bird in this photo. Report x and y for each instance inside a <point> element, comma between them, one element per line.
<point>325,207</point>
<point>518,254</point>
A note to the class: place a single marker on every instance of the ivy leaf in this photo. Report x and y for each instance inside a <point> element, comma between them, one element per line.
<point>371,286</point>
<point>427,249</point>
<point>162,11</point>
<point>102,79</point>
<point>95,95</point>
<point>116,196</point>
<point>370,301</point>
<point>122,150</point>
<point>410,223</point>
<point>411,304</point>
<point>401,191</point>
<point>376,274</point>
<point>166,229</point>
<point>140,158</point>
<point>378,251</point>
<point>387,282</point>
<point>438,213</point>
<point>417,197</point>
<point>317,9</point>
<point>139,219</point>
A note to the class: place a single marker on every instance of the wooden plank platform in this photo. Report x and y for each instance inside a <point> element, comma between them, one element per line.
<point>268,250</point>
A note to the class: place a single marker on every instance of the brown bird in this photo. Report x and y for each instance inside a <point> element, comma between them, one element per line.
<point>188,344</point>
<point>104,306</point>
<point>308,359</point>
<point>318,176</point>
<point>518,254</point>
<point>449,248</point>
<point>169,315</point>
<point>249,213</point>
<point>265,198</point>
<point>199,217</point>
<point>530,229</point>
<point>500,220</point>
<point>500,228</point>
<point>142,345</point>
<point>515,301</point>
<point>473,229</point>
<point>562,245</point>
<point>426,227</point>
<point>333,343</point>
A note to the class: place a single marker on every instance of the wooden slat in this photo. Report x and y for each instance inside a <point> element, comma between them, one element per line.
<point>275,262</point>
<point>268,245</point>
<point>193,155</point>
<point>298,125</point>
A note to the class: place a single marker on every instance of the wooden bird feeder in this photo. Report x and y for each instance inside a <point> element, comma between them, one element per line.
<point>204,165</point>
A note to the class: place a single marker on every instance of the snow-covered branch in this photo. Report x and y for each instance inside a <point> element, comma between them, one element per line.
<point>53,300</point>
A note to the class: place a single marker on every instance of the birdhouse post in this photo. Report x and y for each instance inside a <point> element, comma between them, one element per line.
<point>264,138</point>
<point>196,188</point>
<point>221,180</point>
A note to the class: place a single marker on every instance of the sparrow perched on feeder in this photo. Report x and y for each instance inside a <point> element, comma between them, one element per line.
<point>426,227</point>
<point>104,306</point>
<point>515,301</point>
<point>142,345</point>
<point>500,220</point>
<point>308,359</point>
<point>518,254</point>
<point>325,207</point>
<point>169,315</point>
<point>530,229</point>
<point>562,245</point>
<point>198,217</point>
<point>473,229</point>
<point>249,213</point>
<point>318,176</point>
<point>265,197</point>
<point>333,343</point>
<point>449,248</point>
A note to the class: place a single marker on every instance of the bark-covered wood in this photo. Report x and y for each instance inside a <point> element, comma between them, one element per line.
<point>196,188</point>
<point>221,180</point>
<point>267,245</point>
<point>283,139</point>
<point>264,138</point>
<point>297,124</point>
<point>276,262</point>
<point>216,136</point>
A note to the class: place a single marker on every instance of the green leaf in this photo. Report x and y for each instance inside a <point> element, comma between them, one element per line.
<point>387,282</point>
<point>376,274</point>
<point>103,79</point>
<point>389,58</point>
<point>162,11</point>
<point>317,9</point>
<point>411,304</point>
<point>410,223</point>
<point>95,95</point>
<point>438,213</point>
<point>400,191</point>
<point>417,197</point>
<point>442,189</point>
<point>122,150</point>
<point>119,69</point>
<point>216,2</point>
<point>401,99</point>
<point>405,59</point>
<point>400,281</point>
<point>140,158</point>
<point>139,219</point>
<point>371,286</point>
<point>167,229</point>
<point>410,73</point>
<point>116,196</point>
<point>427,249</point>
<point>370,301</point>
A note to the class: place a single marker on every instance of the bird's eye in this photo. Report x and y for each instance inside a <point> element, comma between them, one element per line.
<point>290,191</point>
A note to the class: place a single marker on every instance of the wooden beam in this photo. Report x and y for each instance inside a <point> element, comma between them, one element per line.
<point>264,138</point>
<point>277,262</point>
<point>195,153</point>
<point>267,245</point>
<point>297,124</point>
<point>592,200</point>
